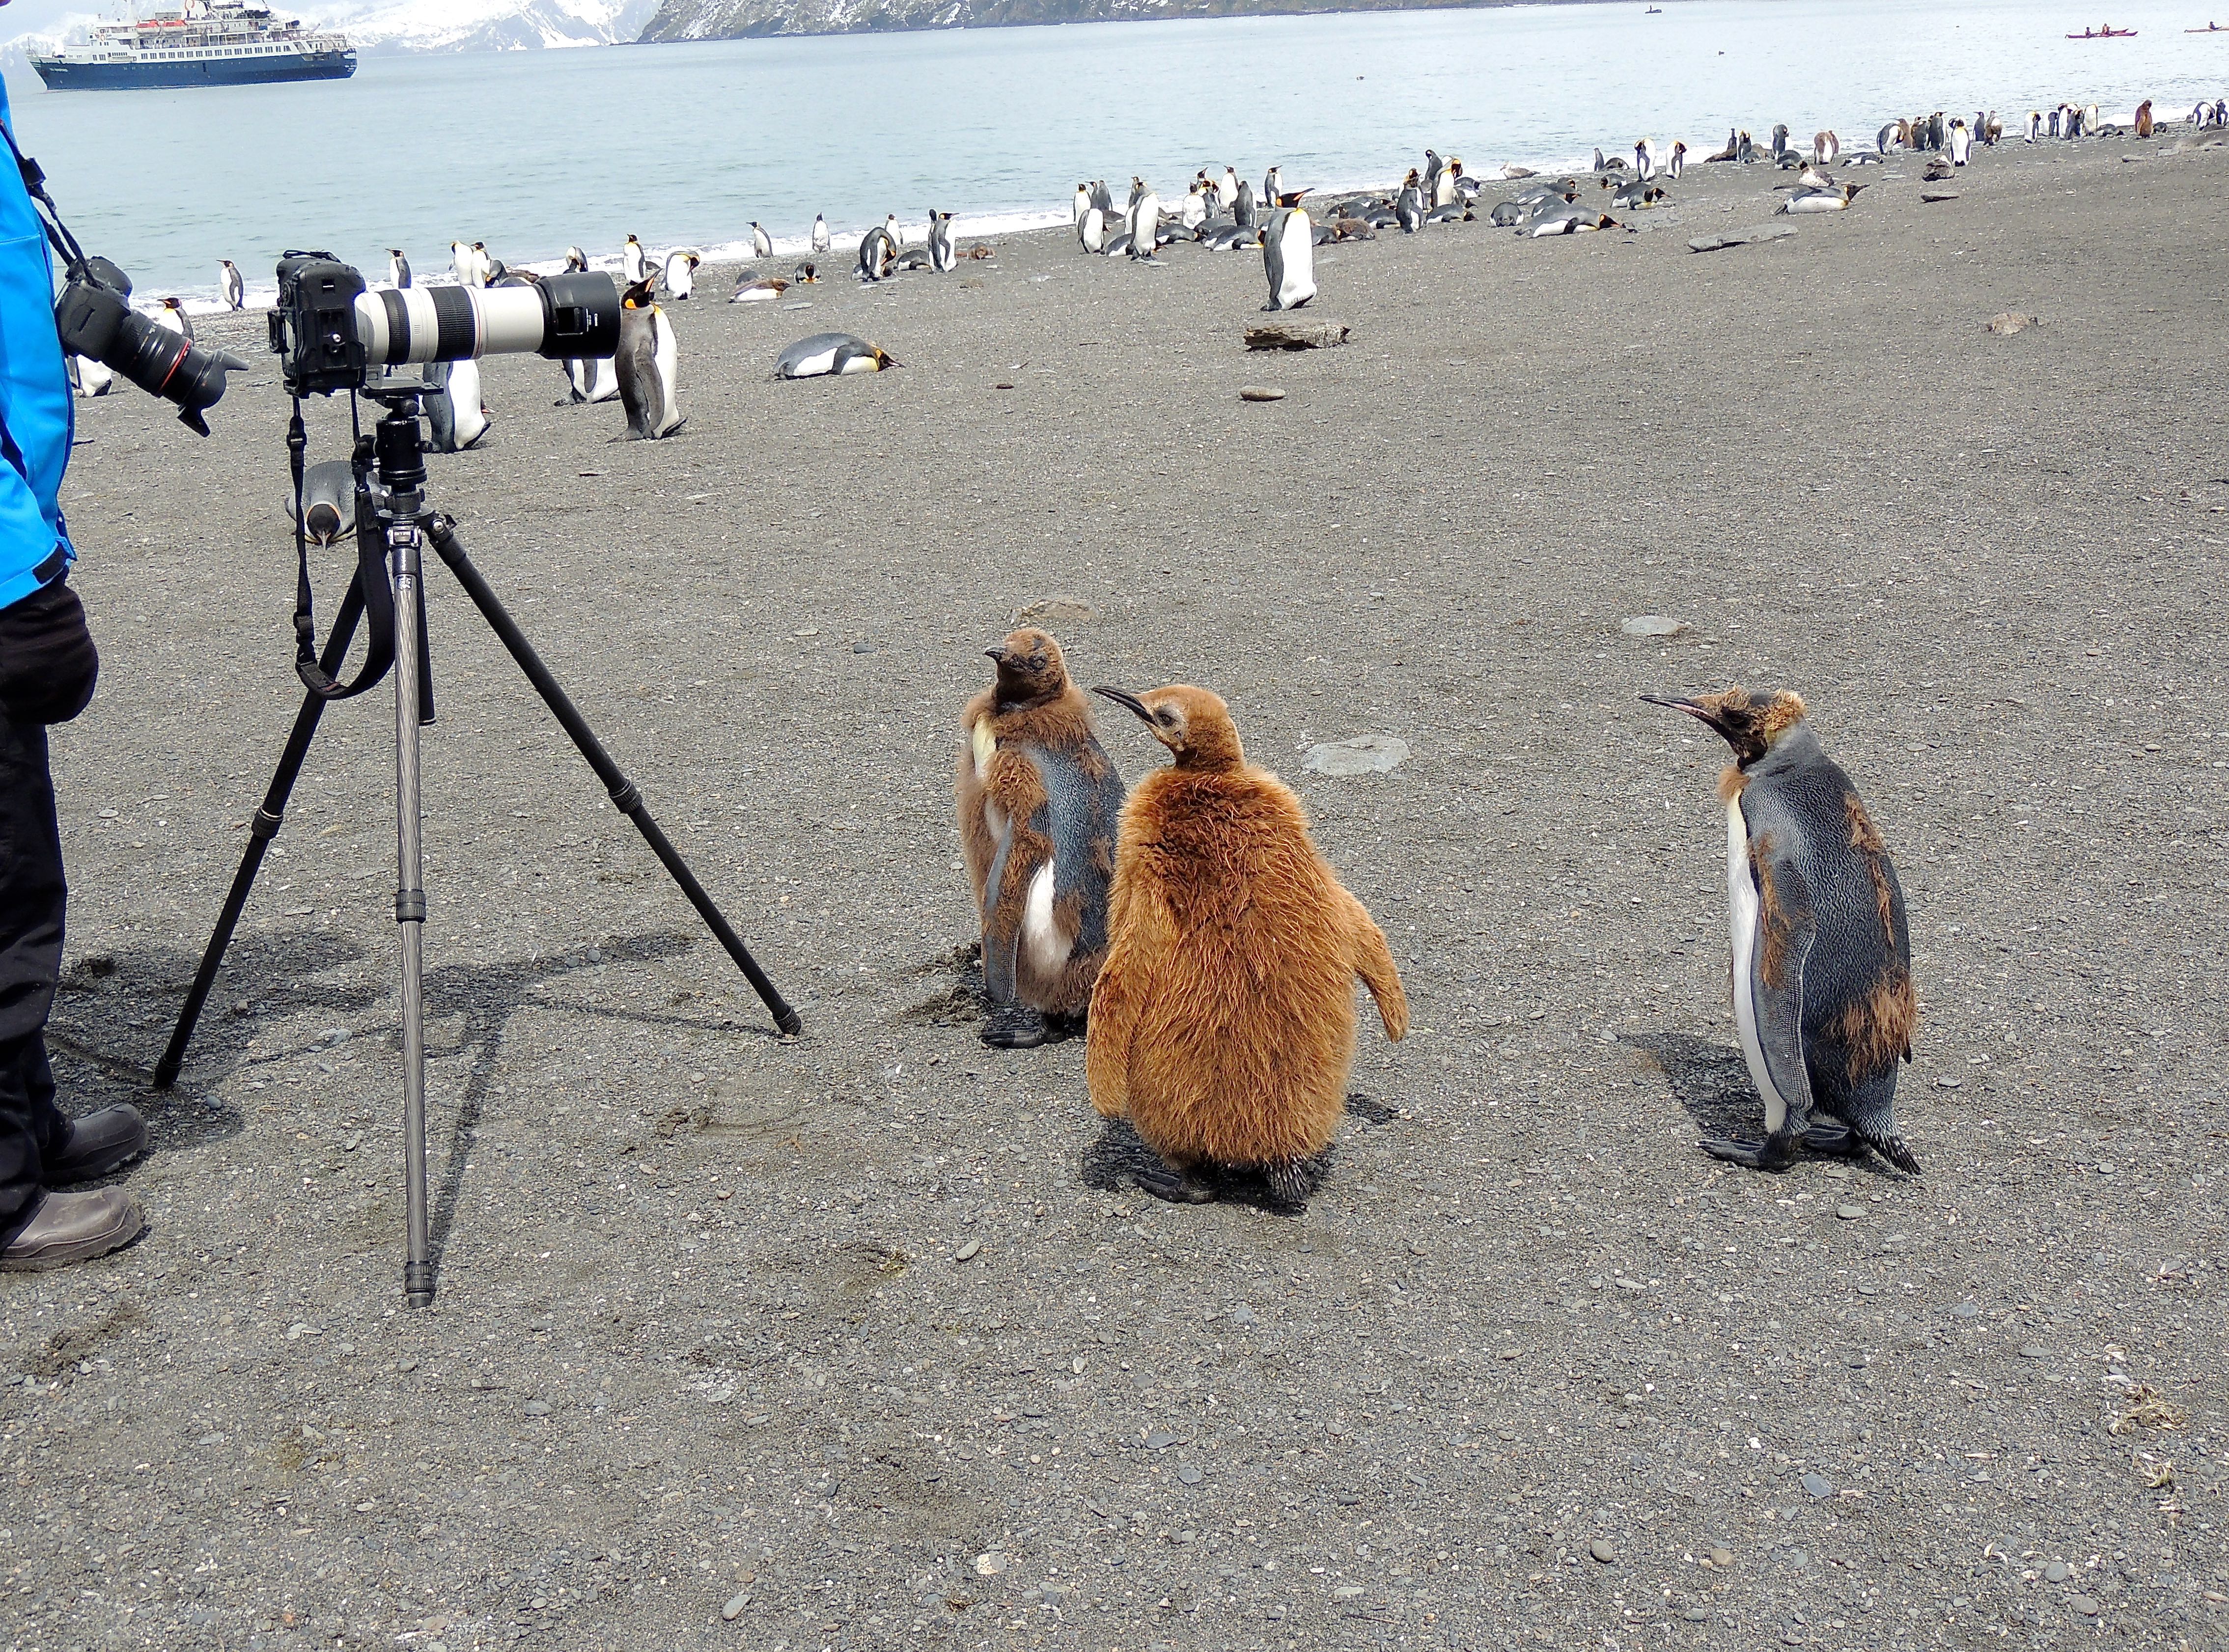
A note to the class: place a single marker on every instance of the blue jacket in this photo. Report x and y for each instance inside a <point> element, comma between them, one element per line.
<point>36,417</point>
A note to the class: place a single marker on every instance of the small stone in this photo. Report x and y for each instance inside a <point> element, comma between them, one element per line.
<point>1818,1485</point>
<point>406,1365</point>
<point>1932,196</point>
<point>1241,1315</point>
<point>2084,1605</point>
<point>1191,1474</point>
<point>1602,1550</point>
<point>991,1564</point>
<point>1696,1614</point>
<point>2035,1351</point>
<point>1366,754</point>
<point>2106,1167</point>
<point>1347,1591</point>
<point>1722,1558</point>
<point>332,1036</point>
<point>1651,625</point>
<point>2008,323</point>
<point>351,1142</point>
<point>1161,1440</point>
<point>967,1252</point>
<point>2058,1572</point>
<point>1260,393</point>
<point>1055,610</point>
<point>733,1609</point>
<point>1836,1173</point>
<point>1965,1311</point>
<point>537,1408</point>
<point>1852,1212</point>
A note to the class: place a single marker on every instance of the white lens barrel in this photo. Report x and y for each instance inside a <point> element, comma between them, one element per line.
<point>401,325</point>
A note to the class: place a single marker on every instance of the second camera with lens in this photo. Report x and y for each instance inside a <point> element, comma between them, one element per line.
<point>331,334</point>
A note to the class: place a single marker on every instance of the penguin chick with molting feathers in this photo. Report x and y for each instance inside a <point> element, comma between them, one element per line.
<point>1039,801</point>
<point>1824,996</point>
<point>1223,1025</point>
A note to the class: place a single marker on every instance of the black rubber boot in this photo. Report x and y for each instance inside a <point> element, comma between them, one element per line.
<point>99,1144</point>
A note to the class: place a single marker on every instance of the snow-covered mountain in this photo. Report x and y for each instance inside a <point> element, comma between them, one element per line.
<point>480,25</point>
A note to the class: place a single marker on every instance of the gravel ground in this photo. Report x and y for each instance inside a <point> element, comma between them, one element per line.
<point>862,1340</point>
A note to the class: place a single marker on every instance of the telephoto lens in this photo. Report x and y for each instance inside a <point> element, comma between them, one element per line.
<point>95,322</point>
<point>563,318</point>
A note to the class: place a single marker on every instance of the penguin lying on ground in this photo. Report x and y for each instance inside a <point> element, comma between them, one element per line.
<point>1834,200</point>
<point>827,353</point>
<point>1822,985</point>
<point>1224,1024</point>
<point>1037,801</point>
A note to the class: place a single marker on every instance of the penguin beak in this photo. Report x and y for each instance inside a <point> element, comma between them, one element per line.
<point>1694,709</point>
<point>1123,696</point>
<point>996,656</point>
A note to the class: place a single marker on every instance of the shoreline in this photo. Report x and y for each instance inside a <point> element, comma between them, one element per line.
<point>998,226</point>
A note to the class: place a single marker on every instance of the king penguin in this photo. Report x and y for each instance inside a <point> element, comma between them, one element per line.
<point>819,234</point>
<point>398,267</point>
<point>1962,141</point>
<point>89,377</point>
<point>1080,205</point>
<point>172,314</point>
<point>941,258</point>
<point>633,264</point>
<point>1195,206</point>
<point>575,261</point>
<point>1822,988</point>
<point>1677,163</point>
<point>235,290</point>
<point>456,414</point>
<point>1409,205</point>
<point>1144,218</point>
<point>681,271</point>
<point>1289,256</point>
<point>645,364</point>
<point>762,243</point>
<point>1224,1024</point>
<point>1037,801</point>
<point>1091,230</point>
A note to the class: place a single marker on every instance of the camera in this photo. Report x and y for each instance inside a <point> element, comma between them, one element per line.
<point>332,334</point>
<point>96,321</point>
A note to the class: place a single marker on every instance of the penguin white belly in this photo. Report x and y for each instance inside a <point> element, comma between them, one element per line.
<point>667,356</point>
<point>467,410</point>
<point>1742,903</point>
<point>1048,947</point>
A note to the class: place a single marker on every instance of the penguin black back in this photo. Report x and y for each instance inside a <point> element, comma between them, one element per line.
<point>1823,991</point>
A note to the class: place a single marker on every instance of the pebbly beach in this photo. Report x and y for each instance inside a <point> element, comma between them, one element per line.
<point>867,1337</point>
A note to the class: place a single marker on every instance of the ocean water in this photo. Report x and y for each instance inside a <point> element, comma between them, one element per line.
<point>684,145</point>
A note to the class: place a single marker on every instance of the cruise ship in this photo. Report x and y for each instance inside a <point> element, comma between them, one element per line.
<point>199,42</point>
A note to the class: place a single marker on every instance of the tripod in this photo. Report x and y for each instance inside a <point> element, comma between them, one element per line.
<point>407,524</point>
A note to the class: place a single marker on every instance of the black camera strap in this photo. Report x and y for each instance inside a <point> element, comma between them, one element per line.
<point>370,580</point>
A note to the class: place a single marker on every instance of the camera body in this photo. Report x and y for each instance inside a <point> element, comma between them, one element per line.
<point>331,334</point>
<point>95,319</point>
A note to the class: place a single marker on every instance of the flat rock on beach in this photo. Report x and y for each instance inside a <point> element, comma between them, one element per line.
<point>1529,1370</point>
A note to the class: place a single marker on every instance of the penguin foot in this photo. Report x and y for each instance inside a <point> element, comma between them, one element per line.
<point>1830,1138</point>
<point>1177,1187</point>
<point>1292,1181</point>
<point>1059,1028</point>
<point>1014,1026</point>
<point>1750,1156</point>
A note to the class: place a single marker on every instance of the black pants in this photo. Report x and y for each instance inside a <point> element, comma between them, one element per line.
<point>32,894</point>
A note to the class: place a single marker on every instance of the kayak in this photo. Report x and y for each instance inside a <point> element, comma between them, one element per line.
<point>2118,33</point>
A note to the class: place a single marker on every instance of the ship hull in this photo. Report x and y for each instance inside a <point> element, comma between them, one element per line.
<point>61,75</point>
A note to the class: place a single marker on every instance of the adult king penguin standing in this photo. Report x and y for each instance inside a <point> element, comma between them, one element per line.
<point>47,664</point>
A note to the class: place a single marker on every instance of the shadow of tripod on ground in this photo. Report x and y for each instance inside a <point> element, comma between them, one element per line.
<point>487,997</point>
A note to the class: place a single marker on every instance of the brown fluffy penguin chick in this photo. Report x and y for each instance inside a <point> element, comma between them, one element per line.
<point>1223,1025</point>
<point>1039,802</point>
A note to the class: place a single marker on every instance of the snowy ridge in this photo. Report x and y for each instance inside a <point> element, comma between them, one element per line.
<point>481,25</point>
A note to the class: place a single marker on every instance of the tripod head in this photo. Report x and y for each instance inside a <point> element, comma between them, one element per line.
<point>398,446</point>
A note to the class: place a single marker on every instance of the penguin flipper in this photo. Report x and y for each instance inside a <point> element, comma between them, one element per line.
<point>1373,961</point>
<point>1023,848</point>
<point>1786,928</point>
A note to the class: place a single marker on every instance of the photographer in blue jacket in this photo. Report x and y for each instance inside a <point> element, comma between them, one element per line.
<point>47,664</point>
